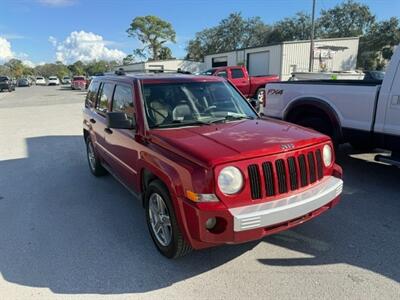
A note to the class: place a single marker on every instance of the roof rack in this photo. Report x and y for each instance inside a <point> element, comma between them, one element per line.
<point>121,71</point>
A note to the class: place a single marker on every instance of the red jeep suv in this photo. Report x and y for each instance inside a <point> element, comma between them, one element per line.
<point>208,169</point>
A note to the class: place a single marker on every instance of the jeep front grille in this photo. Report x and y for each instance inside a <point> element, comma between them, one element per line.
<point>284,175</point>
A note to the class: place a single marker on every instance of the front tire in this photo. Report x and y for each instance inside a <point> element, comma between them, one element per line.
<point>162,224</point>
<point>94,163</point>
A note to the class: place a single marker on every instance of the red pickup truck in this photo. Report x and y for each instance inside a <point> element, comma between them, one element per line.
<point>249,86</point>
<point>208,169</point>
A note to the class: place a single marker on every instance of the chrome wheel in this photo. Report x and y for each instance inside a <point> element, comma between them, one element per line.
<point>91,156</point>
<point>160,219</point>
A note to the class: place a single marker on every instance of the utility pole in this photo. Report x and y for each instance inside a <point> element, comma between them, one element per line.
<point>311,62</point>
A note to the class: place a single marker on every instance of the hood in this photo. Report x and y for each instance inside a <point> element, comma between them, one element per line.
<point>224,142</point>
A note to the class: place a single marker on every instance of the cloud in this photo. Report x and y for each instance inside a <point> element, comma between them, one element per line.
<point>6,53</point>
<point>13,36</point>
<point>57,3</point>
<point>53,40</point>
<point>5,50</point>
<point>84,46</point>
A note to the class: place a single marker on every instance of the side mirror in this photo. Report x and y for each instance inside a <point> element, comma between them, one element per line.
<point>119,120</point>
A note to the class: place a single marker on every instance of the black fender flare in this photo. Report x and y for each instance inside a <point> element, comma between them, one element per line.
<point>321,105</point>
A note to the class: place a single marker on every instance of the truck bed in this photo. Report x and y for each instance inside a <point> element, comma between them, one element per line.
<point>353,101</point>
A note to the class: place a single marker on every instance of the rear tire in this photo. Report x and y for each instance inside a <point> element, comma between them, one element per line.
<point>94,162</point>
<point>174,244</point>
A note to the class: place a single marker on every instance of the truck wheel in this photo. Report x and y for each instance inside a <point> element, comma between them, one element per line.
<point>94,163</point>
<point>10,89</point>
<point>320,125</point>
<point>161,222</point>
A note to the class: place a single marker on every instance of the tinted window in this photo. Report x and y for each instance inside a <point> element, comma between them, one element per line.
<point>92,93</point>
<point>105,97</point>
<point>237,73</point>
<point>193,103</point>
<point>122,100</point>
<point>222,74</point>
<point>3,78</point>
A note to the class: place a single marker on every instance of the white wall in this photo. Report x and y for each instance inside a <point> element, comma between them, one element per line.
<point>297,54</point>
<point>283,56</point>
<point>173,64</point>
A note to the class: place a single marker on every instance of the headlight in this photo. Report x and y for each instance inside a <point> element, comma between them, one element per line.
<point>230,180</point>
<point>327,155</point>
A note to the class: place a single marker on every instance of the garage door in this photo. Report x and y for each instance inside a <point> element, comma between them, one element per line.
<point>221,61</point>
<point>258,63</point>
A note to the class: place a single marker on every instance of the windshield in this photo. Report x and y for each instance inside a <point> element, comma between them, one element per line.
<point>79,78</point>
<point>39,78</point>
<point>194,103</point>
<point>3,78</point>
<point>53,78</point>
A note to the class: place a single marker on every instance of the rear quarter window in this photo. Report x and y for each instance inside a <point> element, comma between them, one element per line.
<point>105,96</point>
<point>92,94</point>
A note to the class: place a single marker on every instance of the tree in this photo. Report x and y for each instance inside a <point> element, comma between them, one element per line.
<point>290,29</point>
<point>153,33</point>
<point>377,45</point>
<point>77,68</point>
<point>165,53</point>
<point>345,20</point>
<point>231,33</point>
<point>52,69</point>
<point>129,59</point>
<point>16,67</point>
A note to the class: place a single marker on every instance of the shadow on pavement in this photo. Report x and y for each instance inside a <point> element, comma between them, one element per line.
<point>63,229</point>
<point>362,231</point>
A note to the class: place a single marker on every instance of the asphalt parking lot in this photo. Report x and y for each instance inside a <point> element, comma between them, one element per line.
<point>66,234</point>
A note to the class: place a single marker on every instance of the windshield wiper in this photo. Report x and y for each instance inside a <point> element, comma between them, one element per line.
<point>231,118</point>
<point>179,123</point>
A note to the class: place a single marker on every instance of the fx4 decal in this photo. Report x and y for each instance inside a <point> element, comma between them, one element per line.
<point>274,92</point>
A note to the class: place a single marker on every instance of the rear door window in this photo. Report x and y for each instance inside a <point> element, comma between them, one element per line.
<point>237,73</point>
<point>105,97</point>
<point>123,100</point>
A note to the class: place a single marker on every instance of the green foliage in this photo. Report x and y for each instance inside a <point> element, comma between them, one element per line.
<point>347,19</point>
<point>377,45</point>
<point>165,53</point>
<point>231,33</point>
<point>153,33</point>
<point>291,29</point>
<point>129,59</point>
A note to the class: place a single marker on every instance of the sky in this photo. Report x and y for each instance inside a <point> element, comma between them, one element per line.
<point>39,31</point>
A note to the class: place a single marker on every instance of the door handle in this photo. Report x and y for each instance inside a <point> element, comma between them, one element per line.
<point>92,121</point>
<point>108,130</point>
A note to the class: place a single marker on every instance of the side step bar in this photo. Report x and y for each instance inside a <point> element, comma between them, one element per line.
<point>391,160</point>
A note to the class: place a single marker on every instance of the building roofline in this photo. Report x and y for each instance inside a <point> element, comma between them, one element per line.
<point>158,61</point>
<point>287,42</point>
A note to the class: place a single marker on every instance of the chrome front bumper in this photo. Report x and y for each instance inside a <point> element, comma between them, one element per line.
<point>286,209</point>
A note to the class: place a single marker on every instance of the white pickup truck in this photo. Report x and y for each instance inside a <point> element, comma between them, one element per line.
<point>364,113</point>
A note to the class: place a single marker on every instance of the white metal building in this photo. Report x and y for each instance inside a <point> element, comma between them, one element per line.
<point>167,65</point>
<point>284,58</point>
